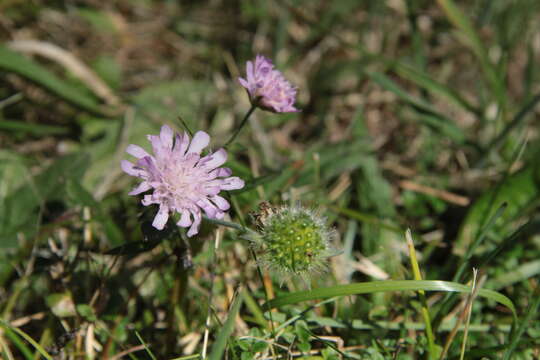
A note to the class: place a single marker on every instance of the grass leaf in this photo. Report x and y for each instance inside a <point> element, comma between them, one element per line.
<point>386,286</point>
<point>516,336</point>
<point>221,342</point>
<point>26,337</point>
<point>14,62</point>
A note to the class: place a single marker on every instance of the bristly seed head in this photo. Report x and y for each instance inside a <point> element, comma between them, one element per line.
<point>294,241</point>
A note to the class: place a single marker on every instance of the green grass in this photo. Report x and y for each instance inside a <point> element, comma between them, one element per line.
<point>415,114</point>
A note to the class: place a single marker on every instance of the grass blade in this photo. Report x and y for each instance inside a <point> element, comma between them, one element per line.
<point>26,337</point>
<point>521,273</point>
<point>518,119</point>
<point>221,342</point>
<point>34,129</point>
<point>461,22</point>
<point>148,351</point>
<point>423,80</point>
<point>437,121</point>
<point>19,344</point>
<point>14,62</point>
<point>421,293</point>
<point>531,312</point>
<point>386,286</point>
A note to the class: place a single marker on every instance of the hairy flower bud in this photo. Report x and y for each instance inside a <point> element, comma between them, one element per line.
<point>294,240</point>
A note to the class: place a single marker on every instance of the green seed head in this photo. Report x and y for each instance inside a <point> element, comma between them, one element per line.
<point>295,240</point>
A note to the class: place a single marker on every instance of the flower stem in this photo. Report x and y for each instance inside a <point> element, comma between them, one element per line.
<point>239,128</point>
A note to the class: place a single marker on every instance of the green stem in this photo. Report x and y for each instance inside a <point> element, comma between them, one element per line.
<point>239,128</point>
<point>266,296</point>
<point>421,294</point>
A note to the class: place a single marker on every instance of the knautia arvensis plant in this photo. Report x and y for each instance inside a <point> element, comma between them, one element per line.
<point>181,179</point>
<point>293,240</point>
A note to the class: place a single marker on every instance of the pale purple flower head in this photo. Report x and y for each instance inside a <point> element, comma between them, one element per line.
<point>181,180</point>
<point>267,88</point>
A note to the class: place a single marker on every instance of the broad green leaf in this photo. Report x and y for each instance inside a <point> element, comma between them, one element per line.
<point>386,286</point>
<point>14,62</point>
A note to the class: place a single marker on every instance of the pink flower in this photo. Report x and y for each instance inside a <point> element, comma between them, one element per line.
<point>181,180</point>
<point>267,88</point>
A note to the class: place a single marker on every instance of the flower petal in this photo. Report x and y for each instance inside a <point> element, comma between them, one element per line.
<point>149,200</point>
<point>223,172</point>
<point>131,169</point>
<point>232,183</point>
<point>209,208</point>
<point>136,151</point>
<point>181,144</point>
<point>249,72</point>
<point>185,219</point>
<point>267,87</point>
<point>147,163</point>
<point>212,189</point>
<point>161,217</point>
<point>160,150</point>
<point>243,82</point>
<point>166,137</point>
<point>220,202</point>
<point>200,141</point>
<point>217,159</point>
<point>142,187</point>
<point>194,229</point>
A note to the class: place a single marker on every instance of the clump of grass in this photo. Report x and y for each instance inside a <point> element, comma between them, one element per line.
<point>412,115</point>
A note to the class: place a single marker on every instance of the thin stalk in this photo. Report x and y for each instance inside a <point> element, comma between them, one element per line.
<point>242,124</point>
<point>182,251</point>
<point>469,311</point>
<point>421,294</point>
<point>267,291</point>
<point>219,234</point>
<point>317,179</point>
<point>465,313</point>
